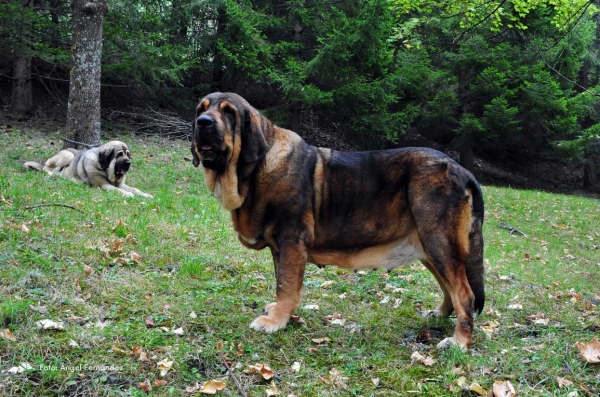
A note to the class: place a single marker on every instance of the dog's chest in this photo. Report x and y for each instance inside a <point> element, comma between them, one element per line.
<point>247,230</point>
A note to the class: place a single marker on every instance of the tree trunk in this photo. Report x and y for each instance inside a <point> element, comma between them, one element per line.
<point>22,98</point>
<point>590,178</point>
<point>467,159</point>
<point>83,113</point>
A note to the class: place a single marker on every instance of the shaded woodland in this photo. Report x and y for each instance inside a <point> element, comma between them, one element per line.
<point>512,83</point>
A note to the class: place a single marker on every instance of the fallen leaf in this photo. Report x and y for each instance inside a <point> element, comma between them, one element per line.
<point>311,307</point>
<point>120,351</point>
<point>135,257</point>
<point>178,331</point>
<point>321,341</point>
<point>192,389</point>
<point>159,382</point>
<point>476,388</point>
<point>164,366</point>
<point>503,389</point>
<point>273,391</point>
<point>417,357</point>
<point>145,386</point>
<point>6,334</point>
<point>515,307</point>
<point>296,366</point>
<point>72,343</point>
<point>87,270</point>
<point>327,284</point>
<point>562,382</point>
<point>590,352</point>
<point>20,369</point>
<point>375,381</point>
<point>24,229</point>
<point>193,315</point>
<point>50,324</point>
<point>334,319</point>
<point>149,321</point>
<point>260,369</point>
<point>212,387</point>
<point>144,357</point>
<point>298,320</point>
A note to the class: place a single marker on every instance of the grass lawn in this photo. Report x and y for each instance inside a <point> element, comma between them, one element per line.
<point>155,296</point>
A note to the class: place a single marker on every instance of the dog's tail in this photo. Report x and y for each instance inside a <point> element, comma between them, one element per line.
<point>474,262</point>
<point>33,165</point>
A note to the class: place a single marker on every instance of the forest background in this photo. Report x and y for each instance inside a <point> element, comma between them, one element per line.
<point>506,86</point>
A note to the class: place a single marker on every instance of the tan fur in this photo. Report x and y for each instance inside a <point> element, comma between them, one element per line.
<point>86,167</point>
<point>359,210</point>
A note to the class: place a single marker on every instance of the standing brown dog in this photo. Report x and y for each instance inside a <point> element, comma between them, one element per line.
<point>356,210</point>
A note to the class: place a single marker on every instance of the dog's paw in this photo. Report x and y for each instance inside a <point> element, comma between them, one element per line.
<point>431,313</point>
<point>146,195</point>
<point>270,307</point>
<point>127,194</point>
<point>267,324</point>
<point>450,343</point>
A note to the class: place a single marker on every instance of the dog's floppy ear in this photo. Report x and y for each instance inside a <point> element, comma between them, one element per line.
<point>195,157</point>
<point>194,148</point>
<point>105,157</point>
<point>254,145</point>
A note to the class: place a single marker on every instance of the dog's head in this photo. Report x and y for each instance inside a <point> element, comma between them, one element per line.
<point>227,130</point>
<point>115,158</point>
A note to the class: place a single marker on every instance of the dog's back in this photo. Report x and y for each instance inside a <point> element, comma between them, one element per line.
<point>55,163</point>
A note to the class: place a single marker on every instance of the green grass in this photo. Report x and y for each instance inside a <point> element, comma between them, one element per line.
<point>192,263</point>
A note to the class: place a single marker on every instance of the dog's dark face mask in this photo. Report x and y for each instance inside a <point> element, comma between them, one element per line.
<point>207,144</point>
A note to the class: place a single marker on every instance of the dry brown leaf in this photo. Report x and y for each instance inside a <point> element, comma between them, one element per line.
<point>120,351</point>
<point>273,390</point>
<point>192,389</point>
<point>212,387</point>
<point>562,382</point>
<point>87,270</point>
<point>334,319</point>
<point>417,357</point>
<point>24,229</point>
<point>164,366</point>
<point>149,321</point>
<point>298,320</point>
<point>336,379</point>
<point>6,334</point>
<point>503,389</point>
<point>145,386</point>
<point>135,257</point>
<point>260,369</point>
<point>476,388</point>
<point>590,352</point>
<point>159,382</point>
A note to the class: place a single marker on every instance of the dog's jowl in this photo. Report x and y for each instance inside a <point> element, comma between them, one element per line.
<point>356,210</point>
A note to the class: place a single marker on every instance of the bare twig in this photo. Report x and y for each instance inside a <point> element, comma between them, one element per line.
<point>152,122</point>
<point>31,207</point>
<point>511,229</point>
<point>230,373</point>
<point>241,390</point>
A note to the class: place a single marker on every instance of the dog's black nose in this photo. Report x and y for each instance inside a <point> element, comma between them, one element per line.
<point>205,121</point>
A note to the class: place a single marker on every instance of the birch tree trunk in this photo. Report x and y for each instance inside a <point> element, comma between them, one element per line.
<point>83,113</point>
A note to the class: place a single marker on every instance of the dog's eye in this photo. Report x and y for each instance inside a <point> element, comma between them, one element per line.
<point>128,154</point>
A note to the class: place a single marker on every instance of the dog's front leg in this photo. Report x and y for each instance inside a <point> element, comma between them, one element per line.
<point>290,262</point>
